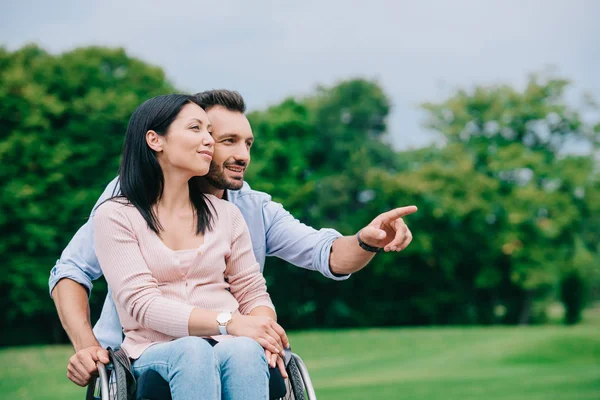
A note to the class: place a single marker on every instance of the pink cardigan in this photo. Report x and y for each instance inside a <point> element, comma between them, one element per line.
<point>153,294</point>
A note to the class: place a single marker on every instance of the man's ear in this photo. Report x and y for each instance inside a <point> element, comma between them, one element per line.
<point>154,141</point>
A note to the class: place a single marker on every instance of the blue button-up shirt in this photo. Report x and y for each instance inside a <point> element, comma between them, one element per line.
<point>273,230</point>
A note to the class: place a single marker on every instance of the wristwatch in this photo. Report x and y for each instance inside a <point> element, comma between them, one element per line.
<point>366,247</point>
<point>222,320</point>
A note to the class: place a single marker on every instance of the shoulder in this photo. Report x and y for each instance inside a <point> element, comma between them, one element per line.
<point>114,208</point>
<point>247,197</point>
<point>112,187</point>
<point>228,217</point>
<point>223,207</point>
<point>217,203</point>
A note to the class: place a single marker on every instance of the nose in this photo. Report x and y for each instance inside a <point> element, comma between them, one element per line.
<point>208,140</point>
<point>243,154</point>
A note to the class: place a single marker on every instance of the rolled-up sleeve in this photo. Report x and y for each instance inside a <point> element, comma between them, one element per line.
<point>297,243</point>
<point>78,261</point>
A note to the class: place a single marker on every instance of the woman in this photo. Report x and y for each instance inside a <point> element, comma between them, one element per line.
<point>180,263</point>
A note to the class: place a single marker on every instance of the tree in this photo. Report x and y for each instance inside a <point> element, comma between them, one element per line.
<point>522,139</point>
<point>508,215</point>
<point>500,207</point>
<point>313,155</point>
<point>64,120</point>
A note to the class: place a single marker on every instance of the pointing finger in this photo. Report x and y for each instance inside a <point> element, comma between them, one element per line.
<point>398,213</point>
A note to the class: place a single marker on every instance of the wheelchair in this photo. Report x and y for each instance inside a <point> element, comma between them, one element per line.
<point>116,382</point>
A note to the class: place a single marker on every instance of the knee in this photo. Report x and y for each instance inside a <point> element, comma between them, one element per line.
<point>192,349</point>
<point>245,350</point>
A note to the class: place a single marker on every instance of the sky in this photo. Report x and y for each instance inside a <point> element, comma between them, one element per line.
<point>269,50</point>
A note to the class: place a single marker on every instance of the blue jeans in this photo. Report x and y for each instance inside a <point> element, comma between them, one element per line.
<point>233,369</point>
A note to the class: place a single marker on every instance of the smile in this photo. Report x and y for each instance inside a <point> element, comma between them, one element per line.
<point>235,169</point>
<point>206,153</point>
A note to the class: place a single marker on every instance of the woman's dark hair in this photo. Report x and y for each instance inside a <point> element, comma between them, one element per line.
<point>141,180</point>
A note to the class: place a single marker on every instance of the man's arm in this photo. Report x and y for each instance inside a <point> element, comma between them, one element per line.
<point>347,256</point>
<point>71,302</point>
<point>326,250</point>
<point>299,244</point>
<point>70,284</point>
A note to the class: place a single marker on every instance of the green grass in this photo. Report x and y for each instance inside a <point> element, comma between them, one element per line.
<point>495,363</point>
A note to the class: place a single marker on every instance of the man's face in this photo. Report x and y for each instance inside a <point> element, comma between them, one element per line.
<point>233,138</point>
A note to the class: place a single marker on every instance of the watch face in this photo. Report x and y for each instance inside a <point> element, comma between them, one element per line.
<point>223,318</point>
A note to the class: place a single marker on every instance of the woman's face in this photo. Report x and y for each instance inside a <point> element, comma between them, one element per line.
<point>188,144</point>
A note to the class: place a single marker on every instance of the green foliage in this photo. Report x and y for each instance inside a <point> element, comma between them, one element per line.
<point>524,141</point>
<point>508,211</point>
<point>501,204</point>
<point>64,118</point>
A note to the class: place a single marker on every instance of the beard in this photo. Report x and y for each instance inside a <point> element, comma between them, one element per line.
<point>217,179</point>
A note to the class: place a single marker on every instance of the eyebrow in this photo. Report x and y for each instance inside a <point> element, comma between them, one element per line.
<point>233,135</point>
<point>196,120</point>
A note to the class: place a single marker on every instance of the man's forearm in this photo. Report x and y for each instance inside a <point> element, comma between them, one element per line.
<point>71,302</point>
<point>347,256</point>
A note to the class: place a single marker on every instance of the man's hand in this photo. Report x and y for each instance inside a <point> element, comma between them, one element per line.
<point>82,364</point>
<point>388,231</point>
<point>275,359</point>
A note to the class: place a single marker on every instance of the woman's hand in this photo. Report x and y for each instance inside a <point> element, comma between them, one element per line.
<point>268,333</point>
<point>275,359</point>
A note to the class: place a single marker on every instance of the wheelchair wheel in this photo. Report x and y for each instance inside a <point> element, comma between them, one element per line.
<point>295,385</point>
<point>99,387</point>
<point>111,382</point>
<point>299,385</point>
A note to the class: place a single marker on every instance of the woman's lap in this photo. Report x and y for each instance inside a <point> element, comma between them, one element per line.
<point>237,367</point>
<point>166,355</point>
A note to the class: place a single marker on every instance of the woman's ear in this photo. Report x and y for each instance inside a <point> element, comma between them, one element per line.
<point>154,141</point>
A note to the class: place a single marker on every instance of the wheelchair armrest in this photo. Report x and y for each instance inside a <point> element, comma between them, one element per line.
<point>287,356</point>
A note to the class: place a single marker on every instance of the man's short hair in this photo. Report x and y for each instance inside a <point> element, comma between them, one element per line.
<point>230,99</point>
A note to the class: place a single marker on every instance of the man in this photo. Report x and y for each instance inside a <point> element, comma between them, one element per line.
<point>273,231</point>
